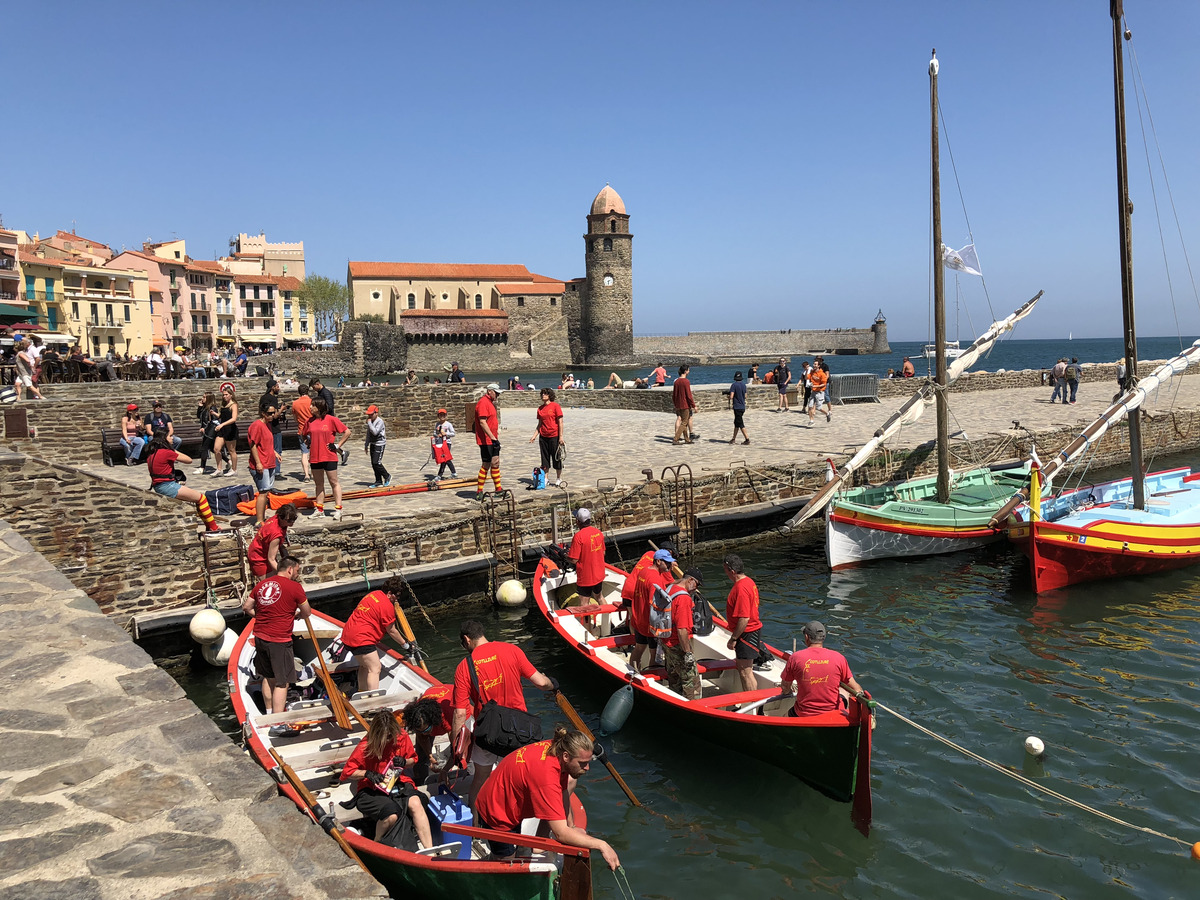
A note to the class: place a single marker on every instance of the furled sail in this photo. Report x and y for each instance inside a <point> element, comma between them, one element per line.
<point>910,411</point>
<point>1120,408</point>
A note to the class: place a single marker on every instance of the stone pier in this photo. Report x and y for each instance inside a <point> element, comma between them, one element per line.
<point>114,786</point>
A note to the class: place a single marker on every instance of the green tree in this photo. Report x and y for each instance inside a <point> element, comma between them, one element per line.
<point>328,301</point>
<point>370,317</point>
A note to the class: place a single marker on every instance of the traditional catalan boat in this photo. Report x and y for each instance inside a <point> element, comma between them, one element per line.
<point>1137,525</point>
<point>831,751</point>
<point>930,514</point>
<point>307,762</point>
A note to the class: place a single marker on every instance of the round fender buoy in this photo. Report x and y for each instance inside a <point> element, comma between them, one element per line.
<point>1196,850</point>
<point>1034,746</point>
<point>217,653</point>
<point>617,710</point>
<point>207,626</point>
<point>511,593</point>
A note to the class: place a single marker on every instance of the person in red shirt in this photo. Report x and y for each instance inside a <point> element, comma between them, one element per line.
<point>587,549</point>
<point>548,434</point>
<point>379,756</point>
<point>160,460</point>
<point>487,436</point>
<point>685,405</point>
<point>682,675</point>
<point>658,574</point>
<point>262,459</point>
<point>267,545</point>
<point>536,782</point>
<point>275,603</point>
<point>302,411</point>
<point>429,717</point>
<point>322,431</point>
<point>817,674</point>
<point>500,668</point>
<point>374,617</point>
<point>741,612</point>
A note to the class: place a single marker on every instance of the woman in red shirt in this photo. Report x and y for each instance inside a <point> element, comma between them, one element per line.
<point>549,434</point>
<point>264,550</point>
<point>322,431</point>
<point>161,458</point>
<point>379,756</point>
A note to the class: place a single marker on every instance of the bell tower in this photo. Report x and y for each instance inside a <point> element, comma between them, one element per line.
<point>607,308</point>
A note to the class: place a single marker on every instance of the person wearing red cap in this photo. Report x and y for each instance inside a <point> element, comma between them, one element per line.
<point>133,434</point>
<point>375,444</point>
<point>439,445</point>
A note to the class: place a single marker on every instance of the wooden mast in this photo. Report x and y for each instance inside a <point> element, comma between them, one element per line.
<point>939,297</point>
<point>1124,215</point>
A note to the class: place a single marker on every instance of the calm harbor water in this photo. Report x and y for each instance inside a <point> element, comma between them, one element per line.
<point>1010,354</point>
<point>1104,674</point>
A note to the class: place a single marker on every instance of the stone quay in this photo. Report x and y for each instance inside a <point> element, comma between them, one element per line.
<point>121,787</point>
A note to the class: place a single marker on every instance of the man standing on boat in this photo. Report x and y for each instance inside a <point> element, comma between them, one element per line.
<point>276,603</point>
<point>536,782</point>
<point>783,377</point>
<point>741,612</point>
<point>587,549</point>
<point>374,617</point>
<point>500,667</point>
<point>682,675</point>
<point>817,674</point>
<point>655,575</point>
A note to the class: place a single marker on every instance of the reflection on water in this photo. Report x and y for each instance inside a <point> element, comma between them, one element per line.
<point>1104,674</point>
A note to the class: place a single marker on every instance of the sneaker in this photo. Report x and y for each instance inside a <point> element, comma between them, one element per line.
<point>558,483</point>
<point>377,484</point>
<point>479,496</point>
<point>829,417</point>
<point>278,731</point>
<point>808,424</point>
<point>198,471</point>
<point>337,515</point>
<point>387,482</point>
<point>344,456</point>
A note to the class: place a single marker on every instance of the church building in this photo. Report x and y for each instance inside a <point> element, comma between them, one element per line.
<point>502,317</point>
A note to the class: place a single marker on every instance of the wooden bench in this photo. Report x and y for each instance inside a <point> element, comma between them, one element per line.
<point>192,436</point>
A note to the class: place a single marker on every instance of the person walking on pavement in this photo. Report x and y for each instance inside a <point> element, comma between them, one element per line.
<point>375,444</point>
<point>1073,377</point>
<point>685,405</point>
<point>737,400</point>
<point>783,377</point>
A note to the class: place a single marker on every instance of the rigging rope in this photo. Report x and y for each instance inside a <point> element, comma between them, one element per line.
<point>962,200</point>
<point>1027,782</point>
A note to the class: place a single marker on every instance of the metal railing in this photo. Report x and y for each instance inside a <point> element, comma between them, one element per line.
<point>7,262</point>
<point>40,297</point>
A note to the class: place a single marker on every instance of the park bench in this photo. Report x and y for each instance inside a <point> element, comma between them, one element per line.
<point>192,436</point>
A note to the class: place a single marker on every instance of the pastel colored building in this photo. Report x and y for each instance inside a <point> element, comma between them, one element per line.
<point>10,273</point>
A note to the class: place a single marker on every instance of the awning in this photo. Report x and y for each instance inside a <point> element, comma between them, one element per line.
<point>14,314</point>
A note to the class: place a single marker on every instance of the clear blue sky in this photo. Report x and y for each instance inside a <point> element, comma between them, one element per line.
<point>773,156</point>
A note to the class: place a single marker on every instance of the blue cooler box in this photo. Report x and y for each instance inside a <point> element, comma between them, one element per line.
<point>448,808</point>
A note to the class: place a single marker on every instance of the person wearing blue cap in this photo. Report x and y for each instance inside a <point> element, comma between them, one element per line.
<point>656,575</point>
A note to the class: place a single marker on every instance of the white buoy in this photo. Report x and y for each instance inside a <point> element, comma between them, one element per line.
<point>207,626</point>
<point>218,652</point>
<point>511,593</point>
<point>1034,746</point>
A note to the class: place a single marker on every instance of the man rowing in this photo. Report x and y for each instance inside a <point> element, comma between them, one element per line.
<point>374,617</point>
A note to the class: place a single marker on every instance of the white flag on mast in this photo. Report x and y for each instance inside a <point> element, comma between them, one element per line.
<point>963,260</point>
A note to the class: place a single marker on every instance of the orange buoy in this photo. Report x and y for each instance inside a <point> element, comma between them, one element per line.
<point>1196,850</point>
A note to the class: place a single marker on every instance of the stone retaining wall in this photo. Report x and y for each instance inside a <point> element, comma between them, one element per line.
<point>720,345</point>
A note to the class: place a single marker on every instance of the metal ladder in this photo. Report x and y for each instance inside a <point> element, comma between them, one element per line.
<point>683,506</point>
<point>500,522</point>
<point>225,564</point>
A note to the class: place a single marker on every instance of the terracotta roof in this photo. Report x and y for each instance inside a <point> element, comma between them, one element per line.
<point>540,287</point>
<point>25,257</point>
<point>71,236</point>
<point>608,201</point>
<point>455,271</point>
<point>255,279</point>
<point>207,265</point>
<point>536,277</point>
<point>290,283</point>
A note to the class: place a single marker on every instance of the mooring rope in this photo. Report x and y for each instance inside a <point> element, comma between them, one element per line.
<point>622,881</point>
<point>1029,783</point>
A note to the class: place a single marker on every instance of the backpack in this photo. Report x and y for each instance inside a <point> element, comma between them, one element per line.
<point>539,479</point>
<point>702,620</point>
<point>660,614</point>
<point>1072,373</point>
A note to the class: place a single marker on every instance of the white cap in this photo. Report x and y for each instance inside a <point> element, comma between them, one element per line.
<point>494,387</point>
<point>583,514</point>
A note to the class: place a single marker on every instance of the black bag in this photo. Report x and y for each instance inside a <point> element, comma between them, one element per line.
<point>224,500</point>
<point>502,729</point>
<point>702,619</point>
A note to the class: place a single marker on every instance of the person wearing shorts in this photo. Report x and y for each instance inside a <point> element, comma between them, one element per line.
<point>302,411</point>
<point>326,434</point>
<point>262,459</point>
<point>487,436</point>
<point>819,379</point>
<point>275,603</point>
<point>745,626</point>
<point>374,617</point>
<point>783,377</point>
<point>549,434</point>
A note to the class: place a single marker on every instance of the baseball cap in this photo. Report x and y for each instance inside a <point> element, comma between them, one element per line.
<point>157,403</point>
<point>664,555</point>
<point>442,411</point>
<point>180,349</point>
<point>583,514</point>
<point>695,573</point>
<point>815,630</point>
<point>131,407</point>
<point>372,409</point>
<point>494,387</point>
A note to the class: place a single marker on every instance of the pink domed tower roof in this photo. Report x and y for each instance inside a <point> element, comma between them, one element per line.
<point>608,201</point>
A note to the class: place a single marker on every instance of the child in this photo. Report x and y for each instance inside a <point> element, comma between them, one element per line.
<point>443,431</point>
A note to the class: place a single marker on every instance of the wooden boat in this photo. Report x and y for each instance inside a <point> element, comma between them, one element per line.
<point>931,514</point>
<point>1139,525</point>
<point>318,749</point>
<point>831,752</point>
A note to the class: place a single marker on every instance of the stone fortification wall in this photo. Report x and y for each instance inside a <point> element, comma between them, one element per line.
<point>1089,373</point>
<point>321,363</point>
<point>715,346</point>
<point>709,398</point>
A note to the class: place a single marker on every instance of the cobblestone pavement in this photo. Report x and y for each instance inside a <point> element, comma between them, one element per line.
<point>619,444</point>
<point>116,787</point>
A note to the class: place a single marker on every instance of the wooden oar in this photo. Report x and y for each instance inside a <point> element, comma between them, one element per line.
<point>407,631</point>
<point>337,701</point>
<point>324,819</point>
<point>566,707</point>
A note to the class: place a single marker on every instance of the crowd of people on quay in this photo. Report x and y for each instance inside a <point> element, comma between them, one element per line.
<point>536,780</point>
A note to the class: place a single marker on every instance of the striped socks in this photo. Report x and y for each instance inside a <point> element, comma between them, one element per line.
<point>480,480</point>
<point>496,476</point>
<point>206,515</point>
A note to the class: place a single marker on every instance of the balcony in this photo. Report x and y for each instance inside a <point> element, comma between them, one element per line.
<point>7,263</point>
<point>41,297</point>
<point>202,329</point>
<point>102,322</point>
<point>7,296</point>
<point>94,293</point>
